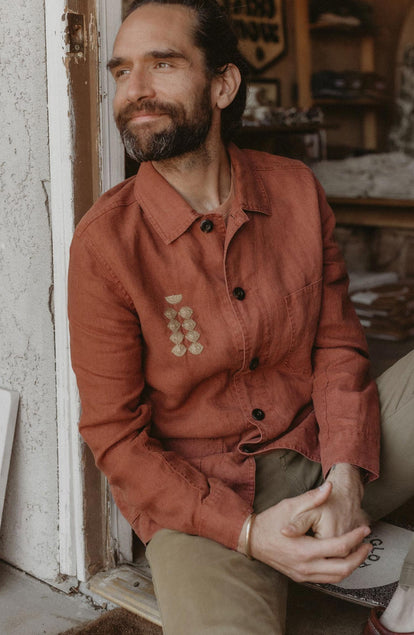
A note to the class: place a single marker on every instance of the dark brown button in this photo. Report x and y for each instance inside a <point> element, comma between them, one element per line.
<point>239,293</point>
<point>207,226</point>
<point>258,414</point>
<point>254,363</point>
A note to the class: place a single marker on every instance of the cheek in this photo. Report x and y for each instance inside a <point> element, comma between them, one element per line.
<point>170,87</point>
<point>120,100</point>
<point>117,101</point>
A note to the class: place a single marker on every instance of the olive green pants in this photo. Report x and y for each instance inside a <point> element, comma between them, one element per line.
<point>205,588</point>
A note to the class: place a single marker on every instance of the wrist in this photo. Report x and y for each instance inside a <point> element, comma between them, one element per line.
<point>347,475</point>
<point>341,470</point>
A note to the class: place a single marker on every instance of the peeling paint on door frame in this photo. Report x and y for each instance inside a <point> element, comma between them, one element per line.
<point>71,491</point>
<point>74,466</point>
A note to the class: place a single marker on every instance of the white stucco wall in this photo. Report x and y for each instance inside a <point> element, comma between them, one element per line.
<point>29,534</point>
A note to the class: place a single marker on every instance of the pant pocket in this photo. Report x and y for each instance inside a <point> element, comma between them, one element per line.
<point>302,473</point>
<point>283,474</point>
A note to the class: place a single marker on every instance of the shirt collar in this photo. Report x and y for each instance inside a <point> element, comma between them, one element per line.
<point>171,215</point>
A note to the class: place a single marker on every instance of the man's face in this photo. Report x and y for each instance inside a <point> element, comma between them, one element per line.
<point>163,103</point>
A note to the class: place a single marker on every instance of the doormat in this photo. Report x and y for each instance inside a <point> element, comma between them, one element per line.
<point>116,622</point>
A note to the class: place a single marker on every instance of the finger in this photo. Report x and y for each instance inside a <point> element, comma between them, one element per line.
<point>313,498</point>
<point>299,526</point>
<point>307,502</point>
<point>330,570</point>
<point>350,542</point>
<point>337,527</point>
<point>337,547</point>
<point>334,570</point>
<point>311,549</point>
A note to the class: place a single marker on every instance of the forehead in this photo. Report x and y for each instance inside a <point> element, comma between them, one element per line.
<point>154,26</point>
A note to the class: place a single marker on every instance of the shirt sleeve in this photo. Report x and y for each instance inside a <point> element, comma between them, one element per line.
<point>153,488</point>
<point>344,394</point>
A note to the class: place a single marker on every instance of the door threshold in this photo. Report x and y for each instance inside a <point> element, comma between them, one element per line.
<point>129,587</point>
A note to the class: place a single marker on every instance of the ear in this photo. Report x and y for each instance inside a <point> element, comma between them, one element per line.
<point>226,85</point>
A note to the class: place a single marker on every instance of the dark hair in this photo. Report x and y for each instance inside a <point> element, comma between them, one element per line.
<point>215,37</point>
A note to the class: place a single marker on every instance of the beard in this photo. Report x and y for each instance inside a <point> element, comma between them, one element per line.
<point>186,133</point>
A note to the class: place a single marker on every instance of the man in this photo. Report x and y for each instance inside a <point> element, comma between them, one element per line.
<point>222,371</point>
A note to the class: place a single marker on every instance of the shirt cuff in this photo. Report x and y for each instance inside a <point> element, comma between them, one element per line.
<point>222,516</point>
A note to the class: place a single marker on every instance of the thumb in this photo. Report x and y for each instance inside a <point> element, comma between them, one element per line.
<point>302,521</point>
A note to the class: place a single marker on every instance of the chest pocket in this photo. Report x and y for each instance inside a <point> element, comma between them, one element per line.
<point>303,308</point>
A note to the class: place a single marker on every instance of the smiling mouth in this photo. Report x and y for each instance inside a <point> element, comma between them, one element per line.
<point>143,117</point>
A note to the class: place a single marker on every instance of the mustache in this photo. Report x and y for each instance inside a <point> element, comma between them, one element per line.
<point>149,107</point>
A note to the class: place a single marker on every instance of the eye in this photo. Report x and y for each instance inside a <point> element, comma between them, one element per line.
<point>163,65</point>
<point>120,72</point>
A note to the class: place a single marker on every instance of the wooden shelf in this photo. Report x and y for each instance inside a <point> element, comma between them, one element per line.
<point>373,212</point>
<point>362,101</point>
<point>374,202</point>
<point>303,44</point>
<point>326,29</point>
<point>298,129</point>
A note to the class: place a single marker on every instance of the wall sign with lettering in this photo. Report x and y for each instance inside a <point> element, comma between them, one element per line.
<point>260,27</point>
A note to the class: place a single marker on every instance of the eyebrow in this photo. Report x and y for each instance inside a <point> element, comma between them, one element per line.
<point>114,62</point>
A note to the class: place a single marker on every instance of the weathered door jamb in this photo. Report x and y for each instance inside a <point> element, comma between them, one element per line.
<point>71,544</point>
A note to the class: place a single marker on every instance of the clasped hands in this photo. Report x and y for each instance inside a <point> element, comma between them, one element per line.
<point>318,536</point>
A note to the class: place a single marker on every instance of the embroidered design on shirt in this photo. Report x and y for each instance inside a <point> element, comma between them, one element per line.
<point>182,327</point>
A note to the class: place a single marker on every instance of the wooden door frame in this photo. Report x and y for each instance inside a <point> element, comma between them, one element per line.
<point>70,507</point>
<point>88,540</point>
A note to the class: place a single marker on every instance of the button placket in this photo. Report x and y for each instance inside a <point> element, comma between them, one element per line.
<point>246,389</point>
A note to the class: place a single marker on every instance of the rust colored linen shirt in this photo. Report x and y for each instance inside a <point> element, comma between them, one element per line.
<point>198,343</point>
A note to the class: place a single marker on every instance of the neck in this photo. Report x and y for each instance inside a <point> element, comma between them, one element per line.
<point>203,177</point>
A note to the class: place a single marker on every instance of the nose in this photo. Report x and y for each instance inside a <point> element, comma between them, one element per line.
<point>139,85</point>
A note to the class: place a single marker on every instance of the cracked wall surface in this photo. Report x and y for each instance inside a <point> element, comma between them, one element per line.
<point>29,534</point>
